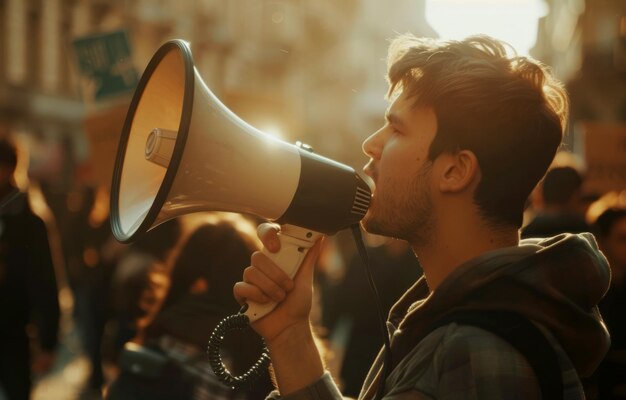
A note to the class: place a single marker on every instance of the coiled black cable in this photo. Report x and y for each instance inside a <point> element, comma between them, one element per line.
<point>240,321</point>
<point>234,322</point>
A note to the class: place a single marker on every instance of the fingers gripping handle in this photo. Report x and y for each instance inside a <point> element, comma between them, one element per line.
<point>295,243</point>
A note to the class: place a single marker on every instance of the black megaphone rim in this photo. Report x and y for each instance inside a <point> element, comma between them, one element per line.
<point>179,147</point>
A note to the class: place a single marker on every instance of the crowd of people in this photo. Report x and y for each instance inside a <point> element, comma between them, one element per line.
<point>147,309</point>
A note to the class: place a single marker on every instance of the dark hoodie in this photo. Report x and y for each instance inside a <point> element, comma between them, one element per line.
<point>556,282</point>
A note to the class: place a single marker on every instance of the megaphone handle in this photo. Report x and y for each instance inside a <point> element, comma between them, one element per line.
<point>295,243</point>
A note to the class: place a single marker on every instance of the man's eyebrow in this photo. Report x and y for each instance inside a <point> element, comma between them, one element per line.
<point>394,119</point>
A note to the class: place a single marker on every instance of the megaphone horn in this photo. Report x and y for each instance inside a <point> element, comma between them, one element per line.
<point>182,151</point>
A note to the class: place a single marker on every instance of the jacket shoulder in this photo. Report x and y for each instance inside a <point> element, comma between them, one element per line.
<point>467,362</point>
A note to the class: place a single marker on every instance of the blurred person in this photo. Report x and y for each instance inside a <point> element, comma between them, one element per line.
<point>94,261</point>
<point>469,133</point>
<point>28,288</point>
<point>171,348</point>
<point>608,219</point>
<point>139,277</point>
<point>563,206</point>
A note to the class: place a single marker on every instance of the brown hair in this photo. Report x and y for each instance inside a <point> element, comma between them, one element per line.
<point>508,110</point>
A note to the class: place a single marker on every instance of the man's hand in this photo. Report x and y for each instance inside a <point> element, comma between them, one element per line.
<point>264,281</point>
<point>286,329</point>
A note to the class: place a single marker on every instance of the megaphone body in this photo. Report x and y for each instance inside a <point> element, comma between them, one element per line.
<point>183,151</point>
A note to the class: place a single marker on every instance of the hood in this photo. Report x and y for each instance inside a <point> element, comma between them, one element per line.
<point>556,282</point>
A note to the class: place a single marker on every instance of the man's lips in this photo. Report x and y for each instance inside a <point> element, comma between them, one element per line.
<point>371,171</point>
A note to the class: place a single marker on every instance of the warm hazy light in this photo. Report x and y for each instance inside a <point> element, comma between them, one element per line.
<point>273,131</point>
<point>514,21</point>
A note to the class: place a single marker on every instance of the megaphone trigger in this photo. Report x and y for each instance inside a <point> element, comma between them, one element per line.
<point>295,243</point>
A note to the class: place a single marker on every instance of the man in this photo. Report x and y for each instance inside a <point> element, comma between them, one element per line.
<point>468,134</point>
<point>28,290</point>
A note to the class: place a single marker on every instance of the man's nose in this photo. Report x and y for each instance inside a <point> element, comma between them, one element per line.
<point>372,146</point>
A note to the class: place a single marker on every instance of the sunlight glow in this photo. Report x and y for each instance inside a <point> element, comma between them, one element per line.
<point>273,131</point>
<point>514,21</point>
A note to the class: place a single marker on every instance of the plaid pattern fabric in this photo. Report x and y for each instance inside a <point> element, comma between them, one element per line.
<point>459,362</point>
<point>464,362</point>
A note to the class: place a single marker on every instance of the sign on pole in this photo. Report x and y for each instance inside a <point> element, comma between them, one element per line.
<point>105,65</point>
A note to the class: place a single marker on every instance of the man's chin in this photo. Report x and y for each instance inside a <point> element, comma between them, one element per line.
<point>375,227</point>
<point>372,226</point>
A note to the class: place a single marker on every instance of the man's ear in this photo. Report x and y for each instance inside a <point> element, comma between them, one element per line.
<point>459,171</point>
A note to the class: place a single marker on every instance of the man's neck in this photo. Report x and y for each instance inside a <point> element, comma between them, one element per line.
<point>449,248</point>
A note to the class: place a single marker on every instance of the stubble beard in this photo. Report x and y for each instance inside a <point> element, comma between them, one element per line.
<point>406,215</point>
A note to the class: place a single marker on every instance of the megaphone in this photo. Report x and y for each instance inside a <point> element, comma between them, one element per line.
<point>182,151</point>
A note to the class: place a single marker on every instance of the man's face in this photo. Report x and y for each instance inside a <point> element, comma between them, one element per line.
<point>402,204</point>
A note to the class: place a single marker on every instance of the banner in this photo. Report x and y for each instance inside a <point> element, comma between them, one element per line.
<point>105,65</point>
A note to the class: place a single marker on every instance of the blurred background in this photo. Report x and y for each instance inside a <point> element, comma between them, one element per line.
<point>301,70</point>
<point>308,70</point>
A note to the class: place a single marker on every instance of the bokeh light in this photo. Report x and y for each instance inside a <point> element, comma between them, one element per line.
<point>514,21</point>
